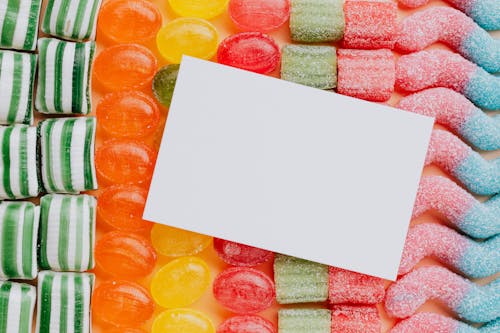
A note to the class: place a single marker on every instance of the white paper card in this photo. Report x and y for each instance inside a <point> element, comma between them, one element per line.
<point>288,168</point>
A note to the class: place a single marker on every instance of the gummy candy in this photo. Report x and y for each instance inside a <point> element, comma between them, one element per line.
<point>426,322</point>
<point>164,83</point>
<point>182,321</point>
<point>246,324</point>
<point>181,282</point>
<point>122,303</point>
<point>304,321</point>
<point>355,319</point>
<point>128,114</point>
<point>187,36</point>
<point>173,242</point>
<point>206,9</point>
<point>237,254</point>
<point>125,255</point>
<point>121,206</point>
<point>354,288</point>
<point>122,161</point>
<point>129,21</point>
<point>259,15</point>
<point>124,66</point>
<point>244,290</point>
<point>252,51</point>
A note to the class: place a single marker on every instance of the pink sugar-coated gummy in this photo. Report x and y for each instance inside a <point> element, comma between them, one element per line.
<point>432,239</point>
<point>434,68</point>
<point>462,4</point>
<point>426,322</point>
<point>246,324</point>
<point>443,24</point>
<point>354,288</point>
<point>355,319</point>
<point>370,24</point>
<point>244,290</point>
<point>433,282</point>
<point>442,194</point>
<point>366,74</point>
<point>449,107</point>
<point>259,15</point>
<point>237,254</point>
<point>446,150</point>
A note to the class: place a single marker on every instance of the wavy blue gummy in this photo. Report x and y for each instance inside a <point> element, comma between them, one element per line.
<point>483,89</point>
<point>486,13</point>
<point>482,131</point>
<point>481,304</point>
<point>491,327</point>
<point>481,259</point>
<point>483,219</point>
<point>479,175</point>
<point>482,49</point>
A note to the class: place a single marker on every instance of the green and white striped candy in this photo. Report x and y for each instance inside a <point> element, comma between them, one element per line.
<point>71,19</point>
<point>19,24</point>
<point>64,76</point>
<point>17,303</point>
<point>64,302</point>
<point>18,240</point>
<point>67,229</point>
<point>304,321</point>
<point>17,75</point>
<point>18,163</point>
<point>67,154</point>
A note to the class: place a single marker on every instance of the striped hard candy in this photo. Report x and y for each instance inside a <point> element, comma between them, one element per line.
<point>19,24</point>
<point>17,303</point>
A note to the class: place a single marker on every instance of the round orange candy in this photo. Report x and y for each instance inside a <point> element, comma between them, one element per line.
<point>121,206</point>
<point>124,66</point>
<point>122,161</point>
<point>125,255</point>
<point>129,21</point>
<point>173,242</point>
<point>122,303</point>
<point>128,114</point>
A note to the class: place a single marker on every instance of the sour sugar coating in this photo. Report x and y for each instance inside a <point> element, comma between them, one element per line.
<point>485,12</point>
<point>246,324</point>
<point>427,322</point>
<point>456,112</point>
<point>346,287</point>
<point>454,28</point>
<point>18,304</point>
<point>304,321</point>
<point>471,169</point>
<point>472,302</point>
<point>355,319</point>
<point>472,258</point>
<point>491,327</point>
<point>259,15</point>
<point>366,74</point>
<point>370,24</point>
<point>242,255</point>
<point>461,209</point>
<point>442,68</point>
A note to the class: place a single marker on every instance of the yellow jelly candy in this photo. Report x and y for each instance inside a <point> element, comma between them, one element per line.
<point>206,9</point>
<point>190,36</point>
<point>180,282</point>
<point>173,242</point>
<point>182,321</point>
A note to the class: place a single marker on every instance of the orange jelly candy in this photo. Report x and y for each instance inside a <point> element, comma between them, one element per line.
<point>128,114</point>
<point>121,206</point>
<point>129,21</point>
<point>121,254</point>
<point>124,330</point>
<point>122,161</point>
<point>122,303</point>
<point>125,66</point>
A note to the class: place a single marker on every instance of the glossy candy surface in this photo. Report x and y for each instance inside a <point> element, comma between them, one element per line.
<point>206,9</point>
<point>252,51</point>
<point>187,36</point>
<point>124,330</point>
<point>164,83</point>
<point>259,15</point>
<point>129,21</point>
<point>182,321</point>
<point>237,254</point>
<point>125,255</point>
<point>173,242</point>
<point>180,282</point>
<point>122,303</point>
<point>246,324</point>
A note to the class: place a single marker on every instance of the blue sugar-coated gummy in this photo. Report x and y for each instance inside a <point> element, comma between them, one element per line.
<point>481,304</point>
<point>482,49</point>
<point>486,13</point>
<point>491,327</point>
<point>482,130</point>
<point>479,175</point>
<point>481,259</point>
<point>483,219</point>
<point>483,89</point>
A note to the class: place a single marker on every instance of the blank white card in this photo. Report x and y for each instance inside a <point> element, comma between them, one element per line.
<point>288,168</point>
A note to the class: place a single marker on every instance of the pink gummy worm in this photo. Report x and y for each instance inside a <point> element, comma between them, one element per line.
<point>426,322</point>
<point>434,68</point>
<point>460,4</point>
<point>449,107</point>
<point>442,194</point>
<point>432,282</point>
<point>435,24</point>
<point>432,239</point>
<point>446,150</point>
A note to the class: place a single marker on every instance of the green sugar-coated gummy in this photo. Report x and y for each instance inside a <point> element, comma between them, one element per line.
<point>299,281</point>
<point>304,321</point>
<point>310,65</point>
<point>164,83</point>
<point>19,24</point>
<point>17,303</point>
<point>314,21</point>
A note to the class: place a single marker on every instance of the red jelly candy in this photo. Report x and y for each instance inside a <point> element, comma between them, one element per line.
<point>124,161</point>
<point>244,290</point>
<point>125,255</point>
<point>370,24</point>
<point>246,324</point>
<point>259,15</point>
<point>354,288</point>
<point>237,254</point>
<point>355,319</point>
<point>366,74</point>
<point>252,51</point>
